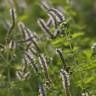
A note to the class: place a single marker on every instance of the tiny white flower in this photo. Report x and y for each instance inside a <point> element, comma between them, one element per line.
<point>93,47</point>
<point>13,13</point>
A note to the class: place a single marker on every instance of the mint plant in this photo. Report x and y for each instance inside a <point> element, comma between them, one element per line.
<point>46,63</point>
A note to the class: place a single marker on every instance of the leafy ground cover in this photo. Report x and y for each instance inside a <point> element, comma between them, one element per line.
<point>46,49</point>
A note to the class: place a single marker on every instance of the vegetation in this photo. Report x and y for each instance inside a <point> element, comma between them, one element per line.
<point>47,48</point>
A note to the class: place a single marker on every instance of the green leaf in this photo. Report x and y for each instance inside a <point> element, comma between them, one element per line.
<point>76,35</point>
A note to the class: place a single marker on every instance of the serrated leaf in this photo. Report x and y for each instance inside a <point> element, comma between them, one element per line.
<point>75,35</point>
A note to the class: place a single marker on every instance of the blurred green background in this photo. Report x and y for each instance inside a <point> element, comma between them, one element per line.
<point>82,19</point>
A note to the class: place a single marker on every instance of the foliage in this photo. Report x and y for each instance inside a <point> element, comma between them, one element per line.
<point>57,59</point>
